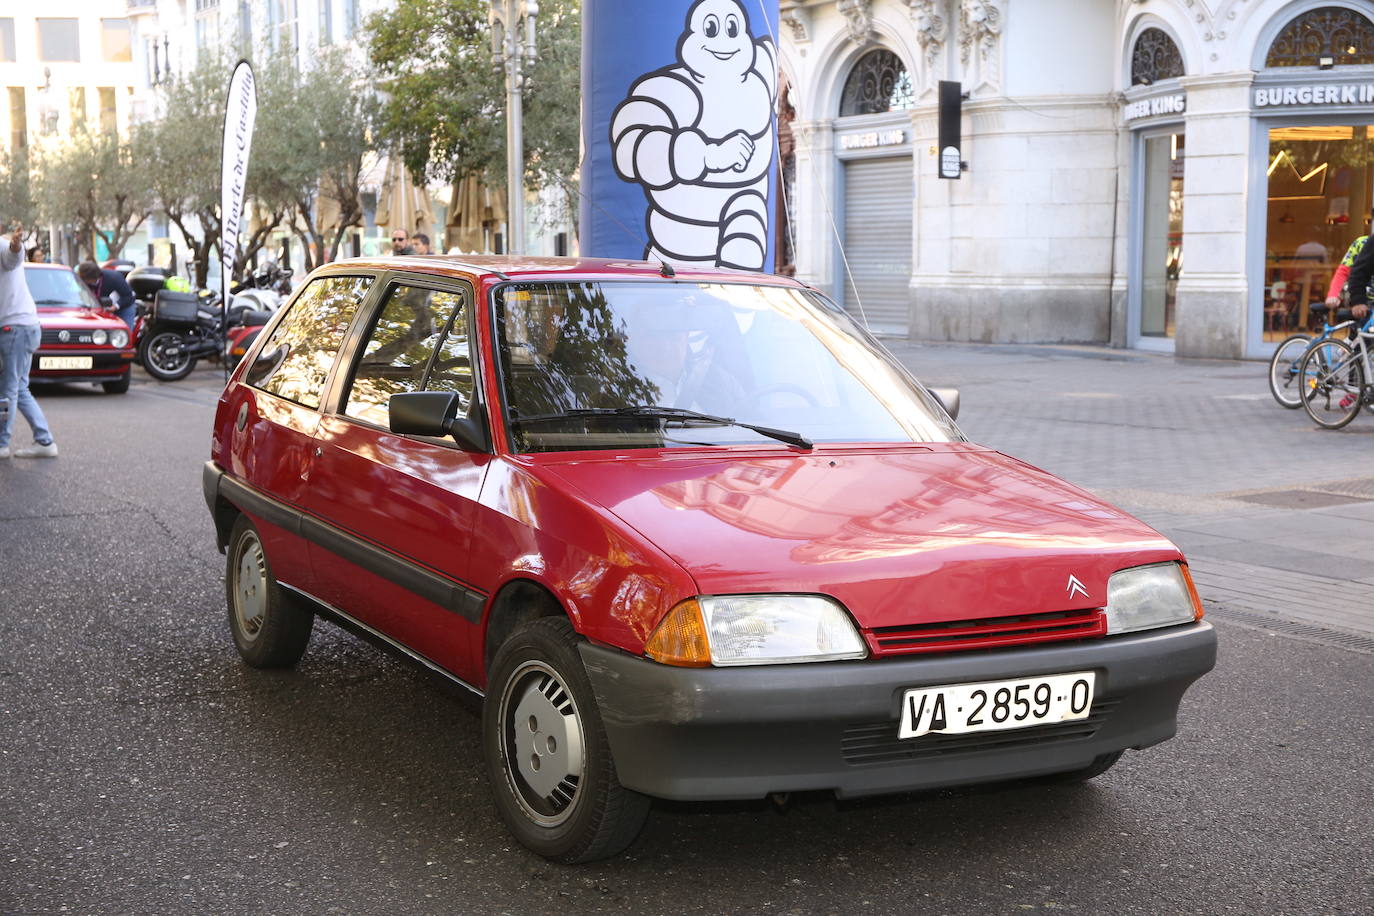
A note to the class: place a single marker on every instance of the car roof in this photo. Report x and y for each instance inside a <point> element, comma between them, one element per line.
<point>45,265</point>
<point>514,267</point>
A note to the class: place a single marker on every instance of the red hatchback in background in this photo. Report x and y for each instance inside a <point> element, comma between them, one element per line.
<point>82,342</point>
<point>691,535</point>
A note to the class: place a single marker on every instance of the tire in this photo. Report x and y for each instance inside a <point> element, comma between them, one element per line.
<point>270,628</point>
<point>561,797</point>
<point>1331,374</point>
<point>1101,764</point>
<point>1283,371</point>
<point>165,357</point>
<point>119,386</point>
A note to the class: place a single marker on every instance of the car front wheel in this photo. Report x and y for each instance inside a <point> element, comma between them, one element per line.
<point>546,751</point>
<point>270,628</point>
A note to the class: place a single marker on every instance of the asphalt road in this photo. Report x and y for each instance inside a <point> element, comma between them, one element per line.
<point>144,769</point>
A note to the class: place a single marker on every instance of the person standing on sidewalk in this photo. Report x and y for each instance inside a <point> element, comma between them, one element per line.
<point>20,334</point>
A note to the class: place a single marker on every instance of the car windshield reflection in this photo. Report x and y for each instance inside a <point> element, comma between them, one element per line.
<point>57,289</point>
<point>583,364</point>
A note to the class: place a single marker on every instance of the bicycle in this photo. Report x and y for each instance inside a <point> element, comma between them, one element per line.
<point>1335,378</point>
<point>1284,364</point>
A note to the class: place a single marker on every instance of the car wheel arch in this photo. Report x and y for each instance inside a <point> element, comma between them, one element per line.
<point>225,514</point>
<point>516,603</point>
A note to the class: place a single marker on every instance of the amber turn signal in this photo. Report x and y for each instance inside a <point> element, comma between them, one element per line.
<point>1192,591</point>
<point>680,638</point>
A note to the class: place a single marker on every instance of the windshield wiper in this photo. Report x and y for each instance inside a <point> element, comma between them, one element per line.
<point>670,413</point>
<point>53,302</point>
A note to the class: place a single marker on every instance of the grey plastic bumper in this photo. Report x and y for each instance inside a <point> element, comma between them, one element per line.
<point>738,733</point>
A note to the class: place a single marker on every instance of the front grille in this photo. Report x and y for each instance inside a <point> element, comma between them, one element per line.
<point>877,743</point>
<point>52,337</point>
<point>988,633</point>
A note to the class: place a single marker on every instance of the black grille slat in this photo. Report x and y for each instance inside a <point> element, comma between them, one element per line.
<point>51,338</point>
<point>877,742</point>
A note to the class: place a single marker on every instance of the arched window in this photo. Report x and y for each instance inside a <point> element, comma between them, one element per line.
<point>1331,34</point>
<point>879,82</point>
<point>1155,58</point>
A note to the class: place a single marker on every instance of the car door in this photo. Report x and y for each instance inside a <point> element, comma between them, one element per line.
<point>273,438</point>
<point>395,512</point>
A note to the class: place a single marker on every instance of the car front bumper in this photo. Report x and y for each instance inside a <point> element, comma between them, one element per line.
<point>106,366</point>
<point>745,732</point>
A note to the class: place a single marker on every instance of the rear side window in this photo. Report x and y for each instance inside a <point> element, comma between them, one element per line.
<point>295,362</point>
<point>419,343</point>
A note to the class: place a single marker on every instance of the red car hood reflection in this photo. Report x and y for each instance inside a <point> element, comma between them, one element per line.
<point>899,535</point>
<point>57,316</point>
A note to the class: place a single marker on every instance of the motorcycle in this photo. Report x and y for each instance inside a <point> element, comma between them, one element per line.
<point>261,293</point>
<point>184,328</point>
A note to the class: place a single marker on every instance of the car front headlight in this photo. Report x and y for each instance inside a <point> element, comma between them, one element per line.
<point>119,339</point>
<point>730,630</point>
<point>98,337</point>
<point>1145,597</point>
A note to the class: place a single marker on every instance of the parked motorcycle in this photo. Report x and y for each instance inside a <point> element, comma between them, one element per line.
<point>184,328</point>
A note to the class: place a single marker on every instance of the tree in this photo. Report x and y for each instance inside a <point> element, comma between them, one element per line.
<point>181,153</point>
<point>334,111</point>
<point>444,112</point>
<point>93,181</point>
<point>16,190</point>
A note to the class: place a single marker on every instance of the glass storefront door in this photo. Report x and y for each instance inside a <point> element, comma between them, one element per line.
<point>1161,234</point>
<point>1321,185</point>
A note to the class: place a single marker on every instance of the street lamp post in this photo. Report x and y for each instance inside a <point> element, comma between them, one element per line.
<point>511,46</point>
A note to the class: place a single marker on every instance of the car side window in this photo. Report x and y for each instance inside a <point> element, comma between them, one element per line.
<point>295,361</point>
<point>418,343</point>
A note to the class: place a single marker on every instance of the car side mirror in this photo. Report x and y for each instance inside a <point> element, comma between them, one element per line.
<point>434,413</point>
<point>949,400</point>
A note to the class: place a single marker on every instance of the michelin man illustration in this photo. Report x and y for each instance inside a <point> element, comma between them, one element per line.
<point>698,137</point>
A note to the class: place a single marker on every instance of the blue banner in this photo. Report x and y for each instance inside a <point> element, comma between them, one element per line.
<point>679,121</point>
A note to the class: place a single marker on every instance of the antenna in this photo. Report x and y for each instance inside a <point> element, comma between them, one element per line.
<point>665,269</point>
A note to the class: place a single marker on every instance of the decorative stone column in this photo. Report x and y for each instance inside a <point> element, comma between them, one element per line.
<point>814,207</point>
<point>1213,288</point>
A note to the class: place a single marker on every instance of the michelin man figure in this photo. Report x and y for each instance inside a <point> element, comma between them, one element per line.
<point>698,137</point>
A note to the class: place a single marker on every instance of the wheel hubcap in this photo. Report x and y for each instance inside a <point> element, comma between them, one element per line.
<point>250,589</point>
<point>545,749</point>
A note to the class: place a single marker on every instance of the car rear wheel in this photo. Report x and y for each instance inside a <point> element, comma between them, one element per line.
<point>270,628</point>
<point>546,751</point>
<point>118,386</point>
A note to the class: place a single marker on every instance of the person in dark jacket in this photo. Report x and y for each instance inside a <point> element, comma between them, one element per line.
<point>110,283</point>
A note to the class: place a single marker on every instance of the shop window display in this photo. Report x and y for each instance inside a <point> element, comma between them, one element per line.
<point>1162,252</point>
<point>1321,187</point>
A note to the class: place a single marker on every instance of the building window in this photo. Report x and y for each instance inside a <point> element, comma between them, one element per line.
<point>1329,36</point>
<point>350,18</point>
<point>281,24</point>
<point>245,26</point>
<point>7,41</point>
<point>59,40</point>
<point>207,30</point>
<point>115,43</point>
<point>1155,58</point>
<point>78,101</point>
<point>19,119</point>
<point>879,82</point>
<point>109,122</point>
<point>326,22</point>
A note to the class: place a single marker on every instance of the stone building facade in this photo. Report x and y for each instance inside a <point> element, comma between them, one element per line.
<point>1178,175</point>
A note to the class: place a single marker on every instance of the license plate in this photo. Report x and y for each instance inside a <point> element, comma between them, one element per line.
<point>64,362</point>
<point>955,709</point>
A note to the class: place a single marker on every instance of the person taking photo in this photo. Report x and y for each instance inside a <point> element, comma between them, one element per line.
<point>20,334</point>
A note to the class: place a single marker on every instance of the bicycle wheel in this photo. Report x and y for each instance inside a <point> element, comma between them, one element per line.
<point>1333,383</point>
<point>1283,371</point>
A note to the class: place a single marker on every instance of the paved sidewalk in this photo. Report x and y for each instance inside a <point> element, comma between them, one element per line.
<point>1276,515</point>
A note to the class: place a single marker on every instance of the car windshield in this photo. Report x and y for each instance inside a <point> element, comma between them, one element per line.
<point>589,365</point>
<point>57,289</point>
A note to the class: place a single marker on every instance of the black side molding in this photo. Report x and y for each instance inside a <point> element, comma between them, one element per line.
<point>450,594</point>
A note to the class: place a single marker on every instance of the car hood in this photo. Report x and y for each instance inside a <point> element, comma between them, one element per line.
<point>53,316</point>
<point>900,535</point>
